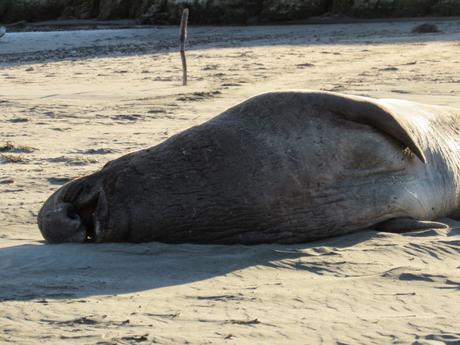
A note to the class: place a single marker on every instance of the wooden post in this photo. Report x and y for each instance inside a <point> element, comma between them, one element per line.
<point>182,39</point>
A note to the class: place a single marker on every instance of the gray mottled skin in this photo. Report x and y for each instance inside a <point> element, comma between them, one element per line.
<point>281,167</point>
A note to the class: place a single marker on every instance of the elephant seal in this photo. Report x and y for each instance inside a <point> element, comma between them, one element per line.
<point>282,167</point>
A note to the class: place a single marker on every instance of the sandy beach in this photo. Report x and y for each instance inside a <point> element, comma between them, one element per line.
<point>72,100</point>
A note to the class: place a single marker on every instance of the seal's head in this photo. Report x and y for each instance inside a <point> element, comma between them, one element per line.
<point>72,213</point>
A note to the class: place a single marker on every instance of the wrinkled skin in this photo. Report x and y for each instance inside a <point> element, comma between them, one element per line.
<point>282,167</point>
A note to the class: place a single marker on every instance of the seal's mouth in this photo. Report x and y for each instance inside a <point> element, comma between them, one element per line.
<point>87,212</point>
<point>89,206</point>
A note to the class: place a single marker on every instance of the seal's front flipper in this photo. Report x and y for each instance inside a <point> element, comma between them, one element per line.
<point>401,225</point>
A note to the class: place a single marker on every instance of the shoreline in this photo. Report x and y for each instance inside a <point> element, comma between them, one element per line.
<point>40,46</point>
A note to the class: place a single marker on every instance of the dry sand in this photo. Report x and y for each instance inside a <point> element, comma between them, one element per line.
<point>71,101</point>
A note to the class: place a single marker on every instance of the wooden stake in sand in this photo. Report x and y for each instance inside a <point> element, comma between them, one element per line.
<point>182,39</point>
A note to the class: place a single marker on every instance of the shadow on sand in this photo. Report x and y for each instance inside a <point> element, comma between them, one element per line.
<point>77,271</point>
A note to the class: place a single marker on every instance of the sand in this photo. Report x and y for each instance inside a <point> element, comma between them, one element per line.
<point>72,100</point>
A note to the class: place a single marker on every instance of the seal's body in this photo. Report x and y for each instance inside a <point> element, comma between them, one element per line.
<point>282,167</point>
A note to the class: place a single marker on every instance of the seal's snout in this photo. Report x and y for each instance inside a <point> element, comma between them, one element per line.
<point>61,223</point>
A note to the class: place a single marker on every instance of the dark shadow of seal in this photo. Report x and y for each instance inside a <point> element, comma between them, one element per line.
<point>73,271</point>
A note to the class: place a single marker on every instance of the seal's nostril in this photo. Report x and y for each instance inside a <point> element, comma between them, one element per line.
<point>61,223</point>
